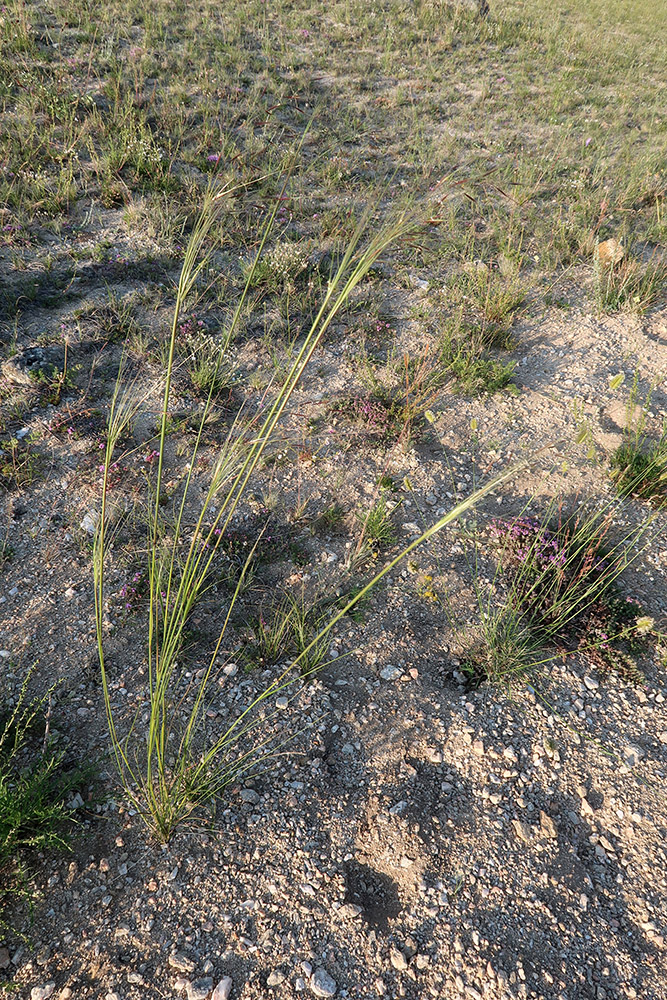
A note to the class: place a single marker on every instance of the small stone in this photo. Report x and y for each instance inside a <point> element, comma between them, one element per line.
<point>200,989</point>
<point>549,828</point>
<point>522,831</point>
<point>223,989</point>
<point>661,736</point>
<point>43,992</point>
<point>89,523</point>
<point>435,756</point>
<point>322,984</point>
<point>250,796</point>
<point>632,755</point>
<point>66,994</point>
<point>282,703</point>
<point>181,962</point>
<point>478,748</point>
<point>591,683</point>
<point>391,673</point>
<point>135,978</point>
<point>112,996</point>
<point>4,958</point>
<point>398,959</point>
<point>275,978</point>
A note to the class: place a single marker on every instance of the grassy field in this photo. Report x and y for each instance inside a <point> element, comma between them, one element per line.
<point>334,355</point>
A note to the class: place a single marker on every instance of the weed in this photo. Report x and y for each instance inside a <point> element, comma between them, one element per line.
<point>329,520</point>
<point>378,530</point>
<point>34,788</point>
<point>562,575</point>
<point>638,467</point>
<point>622,281</point>
<point>19,464</point>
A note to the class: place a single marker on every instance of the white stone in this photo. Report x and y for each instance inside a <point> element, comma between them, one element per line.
<point>223,989</point>
<point>42,992</point>
<point>391,673</point>
<point>322,984</point>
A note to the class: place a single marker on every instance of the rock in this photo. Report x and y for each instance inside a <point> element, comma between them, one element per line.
<point>522,831</point>
<point>200,989</point>
<point>586,807</point>
<point>632,755</point>
<point>275,978</point>
<point>89,522</point>
<point>591,683</point>
<point>250,796</point>
<point>42,992</point>
<point>398,959</point>
<point>609,252</point>
<point>181,962</point>
<point>434,756</point>
<point>282,702</point>
<point>549,828</point>
<point>223,989</point>
<point>27,366</point>
<point>4,958</point>
<point>391,673</point>
<point>322,984</point>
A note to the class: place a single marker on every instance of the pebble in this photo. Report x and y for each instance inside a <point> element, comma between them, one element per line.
<point>591,683</point>
<point>275,978</point>
<point>200,989</point>
<point>549,828</point>
<point>282,702</point>
<point>42,992</point>
<point>178,960</point>
<point>632,755</point>
<point>4,958</point>
<point>223,989</point>
<point>322,984</point>
<point>398,959</point>
<point>250,796</point>
<point>391,673</point>
<point>522,831</point>
<point>89,523</point>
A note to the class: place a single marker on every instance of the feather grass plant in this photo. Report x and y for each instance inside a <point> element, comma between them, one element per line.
<point>167,763</point>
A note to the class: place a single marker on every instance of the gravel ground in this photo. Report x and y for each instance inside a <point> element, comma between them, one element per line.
<point>418,839</point>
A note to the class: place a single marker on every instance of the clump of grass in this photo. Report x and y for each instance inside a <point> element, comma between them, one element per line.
<point>561,578</point>
<point>282,265</point>
<point>175,764</point>
<point>290,628</point>
<point>34,788</point>
<point>638,467</point>
<point>331,519</point>
<point>472,371</point>
<point>641,471</point>
<point>207,374</point>
<point>378,530</point>
<point>624,282</point>
<point>19,464</point>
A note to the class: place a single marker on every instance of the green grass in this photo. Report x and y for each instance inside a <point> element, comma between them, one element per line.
<point>557,590</point>
<point>34,788</point>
